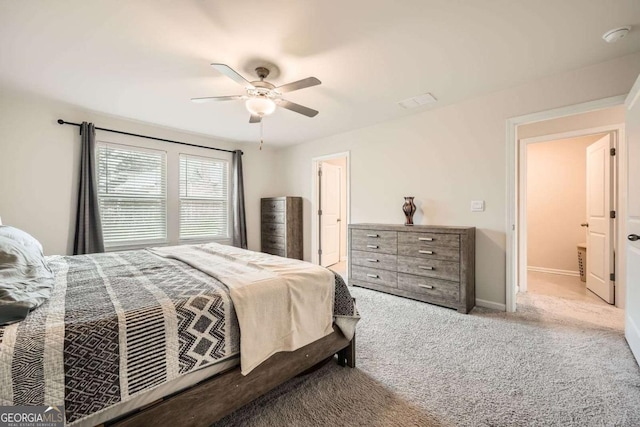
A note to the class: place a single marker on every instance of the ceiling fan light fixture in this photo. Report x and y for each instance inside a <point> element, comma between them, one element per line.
<point>260,106</point>
<point>262,97</point>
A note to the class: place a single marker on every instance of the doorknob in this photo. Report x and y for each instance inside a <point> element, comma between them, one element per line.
<point>585,224</point>
<point>633,237</point>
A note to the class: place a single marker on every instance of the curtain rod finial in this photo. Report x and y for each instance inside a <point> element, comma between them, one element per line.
<point>60,121</point>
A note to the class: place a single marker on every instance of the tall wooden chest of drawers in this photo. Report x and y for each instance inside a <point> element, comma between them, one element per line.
<point>427,263</point>
<point>281,226</point>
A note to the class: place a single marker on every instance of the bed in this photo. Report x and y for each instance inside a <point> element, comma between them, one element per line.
<point>155,335</point>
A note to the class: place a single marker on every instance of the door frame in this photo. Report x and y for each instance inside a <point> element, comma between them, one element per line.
<point>617,130</point>
<point>512,172</point>
<point>315,223</point>
<point>632,329</point>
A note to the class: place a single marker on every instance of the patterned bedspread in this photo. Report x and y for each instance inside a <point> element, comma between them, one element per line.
<point>117,325</point>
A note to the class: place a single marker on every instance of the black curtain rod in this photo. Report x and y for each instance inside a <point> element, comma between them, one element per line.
<point>62,122</point>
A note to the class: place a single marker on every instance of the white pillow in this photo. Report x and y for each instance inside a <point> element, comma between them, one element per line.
<point>26,280</point>
<point>20,236</point>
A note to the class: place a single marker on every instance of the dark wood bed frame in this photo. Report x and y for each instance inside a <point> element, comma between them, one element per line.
<point>214,398</point>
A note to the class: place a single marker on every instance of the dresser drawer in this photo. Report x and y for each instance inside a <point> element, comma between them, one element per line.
<point>385,242</point>
<point>374,260</point>
<point>433,239</point>
<point>271,241</point>
<point>273,251</point>
<point>374,275</point>
<point>439,290</point>
<point>275,217</point>
<point>269,206</point>
<point>429,268</point>
<point>273,228</point>
<point>419,250</point>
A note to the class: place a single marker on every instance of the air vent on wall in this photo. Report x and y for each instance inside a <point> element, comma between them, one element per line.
<point>418,101</point>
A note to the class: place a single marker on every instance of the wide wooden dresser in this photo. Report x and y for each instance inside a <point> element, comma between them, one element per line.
<point>281,229</point>
<point>427,263</point>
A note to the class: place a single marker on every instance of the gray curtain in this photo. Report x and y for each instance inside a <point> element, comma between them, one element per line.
<point>239,238</point>
<point>88,237</point>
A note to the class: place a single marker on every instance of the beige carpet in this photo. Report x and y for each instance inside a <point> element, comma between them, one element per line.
<point>565,287</point>
<point>555,362</point>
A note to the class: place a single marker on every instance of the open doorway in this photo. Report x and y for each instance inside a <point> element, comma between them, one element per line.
<point>567,210</point>
<point>330,207</point>
<point>568,241</point>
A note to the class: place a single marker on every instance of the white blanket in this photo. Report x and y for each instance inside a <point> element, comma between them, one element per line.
<point>281,304</point>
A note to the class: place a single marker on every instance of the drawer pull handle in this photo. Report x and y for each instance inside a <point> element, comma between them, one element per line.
<point>372,246</point>
<point>372,260</point>
<point>425,267</point>
<point>372,235</point>
<point>426,286</point>
<point>426,252</point>
<point>425,239</point>
<point>375,276</point>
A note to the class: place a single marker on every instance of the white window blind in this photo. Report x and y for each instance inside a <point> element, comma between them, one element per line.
<point>204,198</point>
<point>132,193</point>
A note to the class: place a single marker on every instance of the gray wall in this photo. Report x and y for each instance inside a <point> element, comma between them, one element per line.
<point>39,165</point>
<point>446,158</point>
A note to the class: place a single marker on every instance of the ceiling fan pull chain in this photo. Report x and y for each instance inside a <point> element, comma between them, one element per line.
<point>261,139</point>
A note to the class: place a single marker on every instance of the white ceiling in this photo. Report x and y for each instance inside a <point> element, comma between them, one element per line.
<point>145,59</point>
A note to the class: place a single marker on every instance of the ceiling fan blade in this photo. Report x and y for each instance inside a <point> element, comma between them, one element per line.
<point>255,118</point>
<point>217,98</point>
<point>309,112</point>
<point>232,74</point>
<point>300,84</point>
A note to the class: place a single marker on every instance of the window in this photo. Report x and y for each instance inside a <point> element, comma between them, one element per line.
<point>132,194</point>
<point>204,198</point>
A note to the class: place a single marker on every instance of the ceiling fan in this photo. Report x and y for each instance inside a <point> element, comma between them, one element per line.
<point>262,97</point>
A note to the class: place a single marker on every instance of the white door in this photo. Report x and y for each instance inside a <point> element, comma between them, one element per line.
<point>600,229</point>
<point>330,218</point>
<point>632,243</point>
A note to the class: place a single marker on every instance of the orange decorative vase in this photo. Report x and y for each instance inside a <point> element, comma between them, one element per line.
<point>409,208</point>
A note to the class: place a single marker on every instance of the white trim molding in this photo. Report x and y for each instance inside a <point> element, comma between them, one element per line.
<point>633,95</point>
<point>490,304</point>
<point>554,271</point>
<point>512,172</point>
<point>632,334</point>
<point>632,329</point>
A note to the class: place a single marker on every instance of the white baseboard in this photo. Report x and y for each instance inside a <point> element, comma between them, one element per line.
<point>491,304</point>
<point>554,271</point>
<point>632,334</point>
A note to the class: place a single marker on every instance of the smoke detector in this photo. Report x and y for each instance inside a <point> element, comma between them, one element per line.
<point>616,34</point>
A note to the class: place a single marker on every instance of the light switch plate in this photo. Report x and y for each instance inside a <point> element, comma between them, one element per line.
<point>477,206</point>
